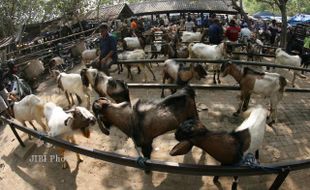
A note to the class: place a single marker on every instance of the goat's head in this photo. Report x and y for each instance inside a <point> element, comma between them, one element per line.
<point>82,119</point>
<point>99,108</point>
<point>88,76</point>
<point>225,68</point>
<point>202,73</point>
<point>54,73</point>
<point>187,130</point>
<point>118,90</point>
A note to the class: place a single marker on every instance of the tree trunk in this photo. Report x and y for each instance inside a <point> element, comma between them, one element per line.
<point>284,25</point>
<point>239,8</point>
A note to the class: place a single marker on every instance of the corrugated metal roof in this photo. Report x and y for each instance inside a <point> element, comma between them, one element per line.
<point>111,12</point>
<point>219,6</point>
<point>5,41</point>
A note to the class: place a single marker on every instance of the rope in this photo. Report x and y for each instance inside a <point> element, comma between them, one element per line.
<point>141,162</point>
<point>250,161</point>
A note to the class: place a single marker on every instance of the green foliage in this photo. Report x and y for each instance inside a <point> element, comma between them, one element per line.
<point>293,6</point>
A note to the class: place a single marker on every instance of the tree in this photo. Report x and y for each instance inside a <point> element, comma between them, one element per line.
<point>239,7</point>
<point>281,4</point>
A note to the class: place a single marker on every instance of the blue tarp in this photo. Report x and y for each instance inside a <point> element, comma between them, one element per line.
<point>299,18</point>
<point>266,15</point>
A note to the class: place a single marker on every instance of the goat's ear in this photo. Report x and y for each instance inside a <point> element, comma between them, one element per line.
<point>68,121</point>
<point>181,148</point>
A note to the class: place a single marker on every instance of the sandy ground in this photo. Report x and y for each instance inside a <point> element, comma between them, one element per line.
<point>290,141</point>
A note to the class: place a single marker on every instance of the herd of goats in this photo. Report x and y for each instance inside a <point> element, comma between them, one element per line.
<point>145,120</point>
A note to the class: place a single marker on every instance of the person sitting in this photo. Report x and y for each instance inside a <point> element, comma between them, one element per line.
<point>108,49</point>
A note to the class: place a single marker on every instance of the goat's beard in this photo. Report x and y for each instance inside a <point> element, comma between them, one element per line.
<point>104,127</point>
<point>85,132</point>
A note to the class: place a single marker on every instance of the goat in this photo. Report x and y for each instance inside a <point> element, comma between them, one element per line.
<point>192,36</point>
<point>210,52</point>
<point>72,84</point>
<point>137,54</point>
<point>55,63</point>
<point>131,43</point>
<point>290,60</point>
<point>105,85</point>
<point>64,124</point>
<point>227,148</point>
<point>146,120</point>
<point>28,109</point>
<point>267,84</point>
<point>89,55</point>
<point>180,74</point>
<point>33,69</point>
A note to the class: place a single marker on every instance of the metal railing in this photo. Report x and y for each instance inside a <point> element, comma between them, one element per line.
<point>282,169</point>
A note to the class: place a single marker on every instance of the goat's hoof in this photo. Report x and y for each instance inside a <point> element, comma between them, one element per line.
<point>236,114</point>
<point>148,172</point>
<point>80,159</point>
<point>271,122</point>
<point>234,186</point>
<point>216,180</point>
<point>64,165</point>
<point>219,82</point>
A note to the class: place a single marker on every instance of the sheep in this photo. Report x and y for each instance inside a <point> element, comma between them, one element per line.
<point>28,109</point>
<point>145,121</point>
<point>270,85</point>
<point>180,74</point>
<point>290,60</point>
<point>105,85</point>
<point>65,124</point>
<point>137,54</point>
<point>210,52</point>
<point>72,84</point>
<point>227,148</point>
<point>89,55</point>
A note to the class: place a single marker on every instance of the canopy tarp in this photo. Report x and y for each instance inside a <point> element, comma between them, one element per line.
<point>299,18</point>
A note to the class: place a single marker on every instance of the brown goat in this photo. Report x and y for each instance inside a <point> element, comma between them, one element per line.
<point>105,85</point>
<point>267,84</point>
<point>146,120</point>
<point>180,74</point>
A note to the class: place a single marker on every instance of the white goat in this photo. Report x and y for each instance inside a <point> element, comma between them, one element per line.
<point>28,109</point>
<point>290,60</point>
<point>72,84</point>
<point>131,43</point>
<point>269,85</point>
<point>210,52</point>
<point>65,124</point>
<point>89,55</point>
<point>137,54</point>
<point>191,36</point>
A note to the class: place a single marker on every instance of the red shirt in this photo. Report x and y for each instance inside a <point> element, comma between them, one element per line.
<point>232,33</point>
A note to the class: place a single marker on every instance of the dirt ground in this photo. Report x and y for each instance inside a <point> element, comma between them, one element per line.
<point>289,140</point>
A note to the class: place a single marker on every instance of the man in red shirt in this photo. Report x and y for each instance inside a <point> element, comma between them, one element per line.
<point>232,32</point>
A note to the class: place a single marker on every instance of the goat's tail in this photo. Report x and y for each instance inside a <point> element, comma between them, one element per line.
<point>283,83</point>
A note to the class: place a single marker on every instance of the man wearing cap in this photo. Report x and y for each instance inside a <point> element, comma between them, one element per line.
<point>245,33</point>
<point>108,50</point>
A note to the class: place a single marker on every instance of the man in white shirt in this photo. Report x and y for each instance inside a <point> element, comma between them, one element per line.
<point>245,33</point>
<point>189,25</point>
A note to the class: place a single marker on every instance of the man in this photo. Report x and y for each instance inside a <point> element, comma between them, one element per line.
<point>273,30</point>
<point>245,33</point>
<point>232,32</point>
<point>215,32</point>
<point>189,24</point>
<point>108,50</point>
